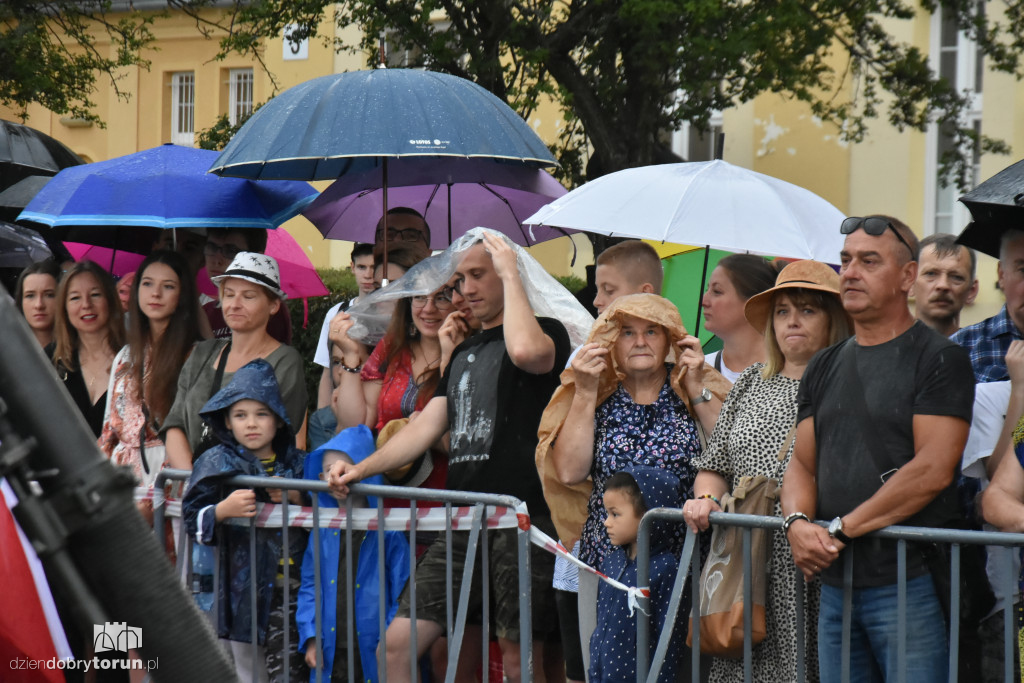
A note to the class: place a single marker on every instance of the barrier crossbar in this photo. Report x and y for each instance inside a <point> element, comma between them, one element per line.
<point>689,570</point>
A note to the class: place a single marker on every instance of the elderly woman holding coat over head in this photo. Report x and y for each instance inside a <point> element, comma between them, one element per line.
<point>638,392</point>
<point>800,315</point>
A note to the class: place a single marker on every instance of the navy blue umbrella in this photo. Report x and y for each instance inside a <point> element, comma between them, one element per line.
<point>342,123</point>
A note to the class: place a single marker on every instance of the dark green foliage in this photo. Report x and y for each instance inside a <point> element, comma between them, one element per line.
<point>342,287</point>
<point>571,282</point>
<point>626,72</point>
<point>49,53</point>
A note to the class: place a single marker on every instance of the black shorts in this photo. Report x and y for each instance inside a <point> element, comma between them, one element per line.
<point>503,563</point>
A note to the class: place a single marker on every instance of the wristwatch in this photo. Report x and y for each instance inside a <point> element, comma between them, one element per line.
<point>835,530</point>
<point>703,397</point>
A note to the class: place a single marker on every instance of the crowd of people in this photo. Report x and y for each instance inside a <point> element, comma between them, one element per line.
<point>488,378</point>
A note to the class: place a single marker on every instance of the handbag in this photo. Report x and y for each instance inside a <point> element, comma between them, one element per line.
<point>207,438</point>
<point>721,578</point>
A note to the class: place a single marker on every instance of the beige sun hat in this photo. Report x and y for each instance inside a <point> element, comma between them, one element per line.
<point>257,268</point>
<point>805,274</point>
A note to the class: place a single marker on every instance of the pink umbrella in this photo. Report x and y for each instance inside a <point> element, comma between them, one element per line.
<point>123,261</point>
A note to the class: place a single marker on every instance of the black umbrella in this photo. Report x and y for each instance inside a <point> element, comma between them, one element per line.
<point>996,206</point>
<point>21,246</point>
<point>15,198</point>
<point>26,151</point>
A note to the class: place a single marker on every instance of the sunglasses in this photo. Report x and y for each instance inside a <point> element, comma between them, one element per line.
<point>873,225</point>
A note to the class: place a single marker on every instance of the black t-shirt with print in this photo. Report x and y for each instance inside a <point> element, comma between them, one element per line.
<point>494,410</point>
<point>863,400</point>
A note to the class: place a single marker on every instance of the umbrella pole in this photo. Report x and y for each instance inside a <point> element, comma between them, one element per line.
<point>700,292</point>
<point>384,260</point>
<point>449,213</point>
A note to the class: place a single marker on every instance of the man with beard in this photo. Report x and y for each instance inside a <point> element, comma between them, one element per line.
<point>945,283</point>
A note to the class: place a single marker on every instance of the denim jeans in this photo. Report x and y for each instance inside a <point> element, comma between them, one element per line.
<point>874,636</point>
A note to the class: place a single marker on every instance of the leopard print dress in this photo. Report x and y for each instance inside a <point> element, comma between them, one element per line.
<point>755,419</point>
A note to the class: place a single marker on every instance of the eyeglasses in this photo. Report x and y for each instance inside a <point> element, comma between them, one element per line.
<point>401,235</point>
<point>873,225</point>
<point>442,301</point>
<point>228,251</point>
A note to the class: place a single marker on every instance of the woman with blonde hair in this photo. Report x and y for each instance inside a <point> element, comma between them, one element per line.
<point>799,316</point>
<point>88,333</point>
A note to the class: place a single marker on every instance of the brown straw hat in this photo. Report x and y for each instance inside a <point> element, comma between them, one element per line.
<point>797,275</point>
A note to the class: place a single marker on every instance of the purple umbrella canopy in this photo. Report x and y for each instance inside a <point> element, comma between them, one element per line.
<point>454,195</point>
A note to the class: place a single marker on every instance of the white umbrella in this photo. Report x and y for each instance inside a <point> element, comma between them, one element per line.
<point>707,203</point>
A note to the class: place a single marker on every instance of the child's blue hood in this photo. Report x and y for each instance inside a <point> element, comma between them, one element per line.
<point>256,381</point>
<point>356,442</point>
<point>660,489</point>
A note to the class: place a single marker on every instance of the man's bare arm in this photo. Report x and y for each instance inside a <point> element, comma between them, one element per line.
<point>939,442</point>
<point>407,445</point>
<point>812,548</point>
<point>1003,500</point>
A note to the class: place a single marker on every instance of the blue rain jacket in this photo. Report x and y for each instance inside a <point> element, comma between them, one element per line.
<point>206,488</point>
<point>613,644</point>
<point>357,442</point>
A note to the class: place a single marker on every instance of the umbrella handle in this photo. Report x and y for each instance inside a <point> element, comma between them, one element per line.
<point>700,292</point>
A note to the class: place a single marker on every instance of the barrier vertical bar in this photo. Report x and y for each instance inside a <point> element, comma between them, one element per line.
<point>847,615</point>
<point>748,607</point>
<point>525,605</point>
<point>485,598</point>
<point>382,650</point>
<point>414,660</point>
<point>455,642</point>
<point>695,616</point>
<point>448,568</point>
<point>801,627</point>
<point>901,611</point>
<point>954,613</point>
<point>254,633</point>
<point>318,616</point>
<point>1009,614</point>
<point>643,578</point>
<point>286,610</point>
<point>350,598</point>
<point>672,612</point>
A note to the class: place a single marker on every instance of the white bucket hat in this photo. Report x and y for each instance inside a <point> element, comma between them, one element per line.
<point>259,269</point>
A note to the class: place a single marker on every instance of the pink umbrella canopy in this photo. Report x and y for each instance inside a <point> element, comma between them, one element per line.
<point>299,278</point>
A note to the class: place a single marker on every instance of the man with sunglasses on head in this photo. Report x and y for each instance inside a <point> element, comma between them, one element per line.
<point>882,422</point>
<point>988,341</point>
<point>222,245</point>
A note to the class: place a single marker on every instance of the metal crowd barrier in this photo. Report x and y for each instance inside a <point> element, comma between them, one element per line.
<point>456,622</point>
<point>689,569</point>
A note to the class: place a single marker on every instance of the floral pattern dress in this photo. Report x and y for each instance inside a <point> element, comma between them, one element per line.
<point>126,426</point>
<point>661,434</point>
<point>755,420</point>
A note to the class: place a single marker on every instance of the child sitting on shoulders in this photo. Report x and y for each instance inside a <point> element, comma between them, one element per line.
<point>627,496</point>
<point>250,419</point>
<point>352,445</point>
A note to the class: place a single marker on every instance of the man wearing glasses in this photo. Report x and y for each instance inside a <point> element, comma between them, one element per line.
<point>882,422</point>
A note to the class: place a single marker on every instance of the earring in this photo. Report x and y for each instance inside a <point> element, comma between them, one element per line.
<point>413,332</point>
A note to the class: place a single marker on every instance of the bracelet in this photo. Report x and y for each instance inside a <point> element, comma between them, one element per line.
<point>792,517</point>
<point>346,368</point>
<point>708,496</point>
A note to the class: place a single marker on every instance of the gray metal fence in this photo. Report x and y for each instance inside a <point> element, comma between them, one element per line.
<point>689,570</point>
<point>456,617</point>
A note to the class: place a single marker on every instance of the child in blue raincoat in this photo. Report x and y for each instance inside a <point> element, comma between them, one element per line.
<point>627,496</point>
<point>250,419</point>
<point>355,444</point>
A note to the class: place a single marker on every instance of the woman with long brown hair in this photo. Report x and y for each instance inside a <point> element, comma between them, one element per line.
<point>163,326</point>
<point>87,335</point>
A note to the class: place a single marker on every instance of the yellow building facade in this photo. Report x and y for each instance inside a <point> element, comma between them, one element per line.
<point>890,172</point>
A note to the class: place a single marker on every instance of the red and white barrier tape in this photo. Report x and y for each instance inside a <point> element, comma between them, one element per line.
<point>397,519</point>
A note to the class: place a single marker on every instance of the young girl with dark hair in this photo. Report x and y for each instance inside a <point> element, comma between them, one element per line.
<point>36,296</point>
<point>163,326</point>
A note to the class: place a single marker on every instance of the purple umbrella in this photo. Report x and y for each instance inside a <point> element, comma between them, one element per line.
<point>454,195</point>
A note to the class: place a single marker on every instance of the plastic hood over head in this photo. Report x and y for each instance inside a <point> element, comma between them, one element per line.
<point>256,381</point>
<point>569,503</point>
<point>547,296</point>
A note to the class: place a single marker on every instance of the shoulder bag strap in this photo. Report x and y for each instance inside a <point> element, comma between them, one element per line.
<point>218,378</point>
<point>781,457</point>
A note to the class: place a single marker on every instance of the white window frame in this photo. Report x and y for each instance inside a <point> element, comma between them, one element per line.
<point>966,71</point>
<point>681,137</point>
<point>240,94</point>
<point>183,101</point>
